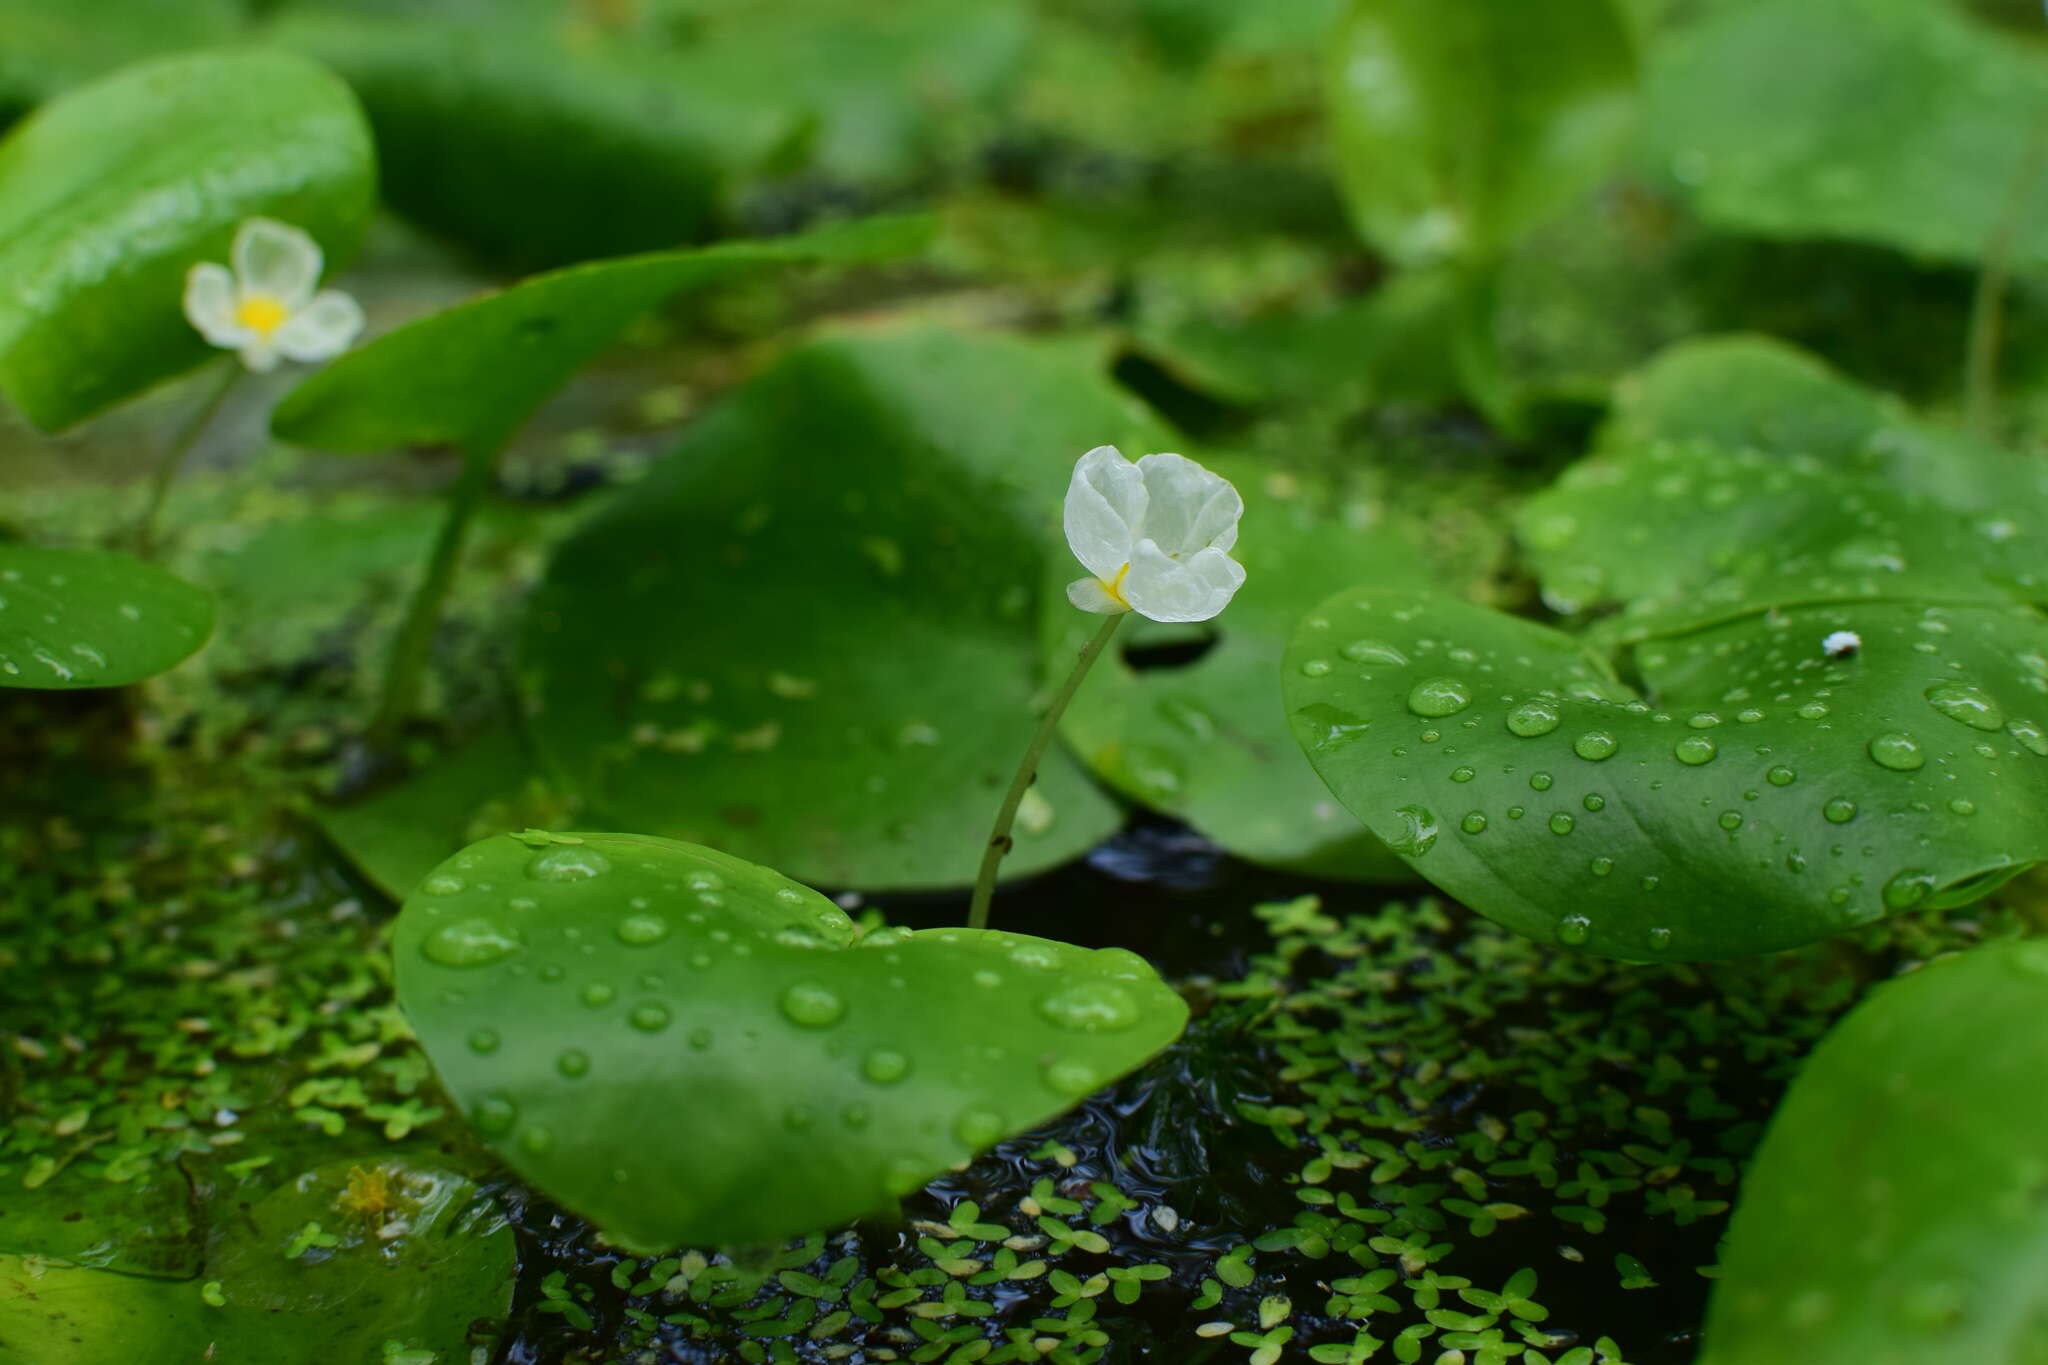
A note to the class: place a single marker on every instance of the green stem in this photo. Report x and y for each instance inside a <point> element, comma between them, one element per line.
<point>168,463</point>
<point>1987,308</point>
<point>423,616</point>
<point>999,838</point>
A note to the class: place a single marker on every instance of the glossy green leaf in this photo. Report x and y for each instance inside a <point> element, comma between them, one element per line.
<point>1897,122</point>
<point>93,618</point>
<point>45,48</point>
<point>1460,127</point>
<point>809,637</point>
<point>306,1275</point>
<point>533,149</point>
<point>110,192</point>
<point>691,1049</point>
<point>1207,740</point>
<point>1684,534</point>
<point>1759,795</point>
<point>469,376</point>
<point>1897,1212</point>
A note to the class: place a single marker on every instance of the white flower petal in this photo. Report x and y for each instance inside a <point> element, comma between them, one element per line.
<point>259,356</point>
<point>322,329</point>
<point>276,259</point>
<point>210,306</point>
<point>1105,506</point>
<point>1192,589</point>
<point>1188,508</point>
<point>1089,595</point>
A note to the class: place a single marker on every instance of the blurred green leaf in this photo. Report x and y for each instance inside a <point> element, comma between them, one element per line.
<point>1899,122</point>
<point>110,192</point>
<point>1460,127</point>
<point>1757,795</point>
<point>1897,1212</point>
<point>690,1049</point>
<point>46,49</point>
<point>1207,740</point>
<point>471,375</point>
<point>809,636</point>
<point>93,618</point>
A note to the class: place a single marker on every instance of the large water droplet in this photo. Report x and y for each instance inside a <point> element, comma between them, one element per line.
<point>1839,811</point>
<point>474,942</point>
<point>1537,716</point>
<point>642,929</point>
<point>812,1004</point>
<point>1474,823</point>
<point>1908,889</point>
<point>1090,1007</point>
<point>1971,705</point>
<point>1898,751</point>
<point>1561,823</point>
<point>978,1128</point>
<point>1414,832</point>
<point>1574,930</point>
<point>2029,734</point>
<point>1071,1076</point>
<point>885,1066</point>
<point>1694,750</point>
<point>1781,776</point>
<point>567,863</point>
<point>1439,697</point>
<point>1595,745</point>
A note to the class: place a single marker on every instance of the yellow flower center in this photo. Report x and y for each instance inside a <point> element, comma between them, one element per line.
<point>1114,587</point>
<point>261,314</point>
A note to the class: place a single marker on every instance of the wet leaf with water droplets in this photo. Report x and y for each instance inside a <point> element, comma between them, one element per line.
<point>716,1033</point>
<point>1568,797</point>
<point>93,618</point>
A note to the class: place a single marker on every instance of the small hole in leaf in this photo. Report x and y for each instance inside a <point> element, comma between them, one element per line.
<point>1159,647</point>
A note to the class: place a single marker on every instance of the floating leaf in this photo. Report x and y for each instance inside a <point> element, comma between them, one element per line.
<point>110,192</point>
<point>809,636</point>
<point>93,618</point>
<point>1459,128</point>
<point>689,1048</point>
<point>469,376</point>
<point>1890,121</point>
<point>328,1268</point>
<point>1759,796</point>
<point>1895,1212</point>
<point>151,1225</point>
<point>1207,739</point>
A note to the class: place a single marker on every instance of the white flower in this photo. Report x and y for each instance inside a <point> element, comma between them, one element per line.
<point>1154,534</point>
<point>265,307</point>
<point>1841,644</point>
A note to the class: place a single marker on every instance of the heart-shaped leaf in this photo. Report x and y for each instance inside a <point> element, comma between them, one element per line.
<point>110,192</point>
<point>1897,1212</point>
<point>1207,740</point>
<point>1458,128</point>
<point>1888,121</point>
<point>809,637</point>
<point>328,1268</point>
<point>1759,796</point>
<point>93,618</point>
<point>689,1048</point>
<point>471,375</point>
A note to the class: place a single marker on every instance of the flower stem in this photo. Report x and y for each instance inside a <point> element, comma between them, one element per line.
<point>999,840</point>
<point>1987,308</point>
<point>168,463</point>
<point>423,616</point>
